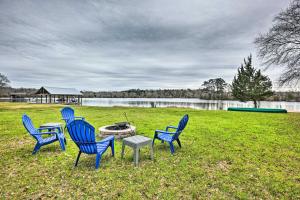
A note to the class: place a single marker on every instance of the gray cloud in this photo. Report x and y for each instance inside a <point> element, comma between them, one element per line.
<point>115,45</point>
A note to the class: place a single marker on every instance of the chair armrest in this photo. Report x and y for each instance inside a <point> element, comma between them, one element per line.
<point>65,119</point>
<point>42,128</point>
<point>44,133</point>
<point>49,127</point>
<point>81,143</point>
<point>173,127</point>
<point>109,138</point>
<point>165,132</point>
<point>79,117</point>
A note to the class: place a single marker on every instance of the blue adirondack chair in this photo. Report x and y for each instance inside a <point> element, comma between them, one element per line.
<point>83,134</point>
<point>38,132</point>
<point>171,136</point>
<point>68,115</point>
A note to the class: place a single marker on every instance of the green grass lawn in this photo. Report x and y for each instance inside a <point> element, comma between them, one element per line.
<point>224,155</point>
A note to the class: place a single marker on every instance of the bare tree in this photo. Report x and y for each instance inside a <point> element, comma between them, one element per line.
<point>281,45</point>
<point>3,81</point>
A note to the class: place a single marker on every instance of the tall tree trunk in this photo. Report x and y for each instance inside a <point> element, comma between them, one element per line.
<point>255,103</point>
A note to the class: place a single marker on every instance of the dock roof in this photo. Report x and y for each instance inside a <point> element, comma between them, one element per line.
<point>59,91</point>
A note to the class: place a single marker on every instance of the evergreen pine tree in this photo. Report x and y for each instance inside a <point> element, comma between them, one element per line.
<point>250,85</point>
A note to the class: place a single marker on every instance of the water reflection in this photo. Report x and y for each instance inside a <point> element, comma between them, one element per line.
<point>183,103</point>
<point>187,103</point>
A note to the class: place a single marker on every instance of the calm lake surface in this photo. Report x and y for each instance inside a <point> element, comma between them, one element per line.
<point>186,103</point>
<point>180,102</point>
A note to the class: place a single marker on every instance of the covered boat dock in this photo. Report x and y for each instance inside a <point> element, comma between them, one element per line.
<point>58,95</point>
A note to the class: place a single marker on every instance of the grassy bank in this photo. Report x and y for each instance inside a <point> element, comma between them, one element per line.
<point>223,155</point>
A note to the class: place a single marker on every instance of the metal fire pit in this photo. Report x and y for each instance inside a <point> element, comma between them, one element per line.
<point>119,130</point>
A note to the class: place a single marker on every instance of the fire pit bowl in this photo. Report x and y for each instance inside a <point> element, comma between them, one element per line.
<point>119,130</point>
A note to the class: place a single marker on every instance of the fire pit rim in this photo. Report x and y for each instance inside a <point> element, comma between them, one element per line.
<point>130,128</point>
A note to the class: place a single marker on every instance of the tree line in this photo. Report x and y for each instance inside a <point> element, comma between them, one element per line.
<point>184,93</point>
<point>160,93</point>
<point>212,89</point>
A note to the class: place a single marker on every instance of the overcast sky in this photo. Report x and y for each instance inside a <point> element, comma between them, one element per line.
<point>117,45</point>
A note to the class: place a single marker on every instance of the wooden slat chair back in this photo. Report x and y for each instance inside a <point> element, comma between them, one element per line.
<point>167,136</point>
<point>68,114</point>
<point>182,124</point>
<point>37,133</point>
<point>83,134</point>
<point>30,128</point>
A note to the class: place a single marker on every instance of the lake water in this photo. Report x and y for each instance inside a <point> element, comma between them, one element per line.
<point>186,103</point>
<point>181,102</point>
